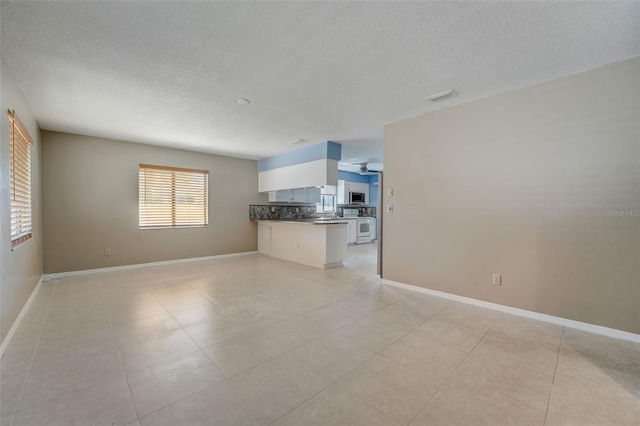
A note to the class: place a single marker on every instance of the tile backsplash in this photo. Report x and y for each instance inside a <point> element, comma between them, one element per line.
<point>271,212</point>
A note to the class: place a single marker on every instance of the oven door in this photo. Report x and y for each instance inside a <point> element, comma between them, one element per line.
<point>364,232</point>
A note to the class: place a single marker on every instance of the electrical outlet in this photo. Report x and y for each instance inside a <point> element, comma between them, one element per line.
<point>107,252</point>
<point>390,192</point>
<point>390,208</point>
<point>497,279</point>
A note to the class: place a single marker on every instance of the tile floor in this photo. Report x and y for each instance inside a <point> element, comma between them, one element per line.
<point>254,340</point>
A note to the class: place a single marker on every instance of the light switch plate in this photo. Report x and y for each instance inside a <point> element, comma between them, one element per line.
<point>390,192</point>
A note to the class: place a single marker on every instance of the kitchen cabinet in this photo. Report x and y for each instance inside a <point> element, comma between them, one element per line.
<point>365,188</point>
<point>309,170</point>
<point>313,195</point>
<point>353,186</point>
<point>264,238</point>
<point>305,195</point>
<point>353,231</point>
<point>319,245</point>
<point>282,196</point>
<point>298,195</point>
<point>345,186</point>
<point>374,229</point>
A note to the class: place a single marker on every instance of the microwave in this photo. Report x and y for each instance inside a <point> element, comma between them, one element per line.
<point>356,198</point>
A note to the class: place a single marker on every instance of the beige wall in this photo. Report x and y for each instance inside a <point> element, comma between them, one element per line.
<point>90,202</point>
<point>518,184</point>
<point>21,268</point>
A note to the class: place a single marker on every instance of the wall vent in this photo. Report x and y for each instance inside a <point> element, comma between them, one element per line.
<point>439,96</point>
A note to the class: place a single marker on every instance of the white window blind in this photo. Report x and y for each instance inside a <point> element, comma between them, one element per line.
<point>20,180</point>
<point>171,197</point>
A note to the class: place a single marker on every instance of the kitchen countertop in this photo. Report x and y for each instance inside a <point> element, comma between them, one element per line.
<point>338,221</point>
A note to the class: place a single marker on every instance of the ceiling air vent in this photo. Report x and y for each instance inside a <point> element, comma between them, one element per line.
<point>439,96</point>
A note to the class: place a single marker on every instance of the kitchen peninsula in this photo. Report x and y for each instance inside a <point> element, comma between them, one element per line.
<point>301,238</point>
<point>320,244</point>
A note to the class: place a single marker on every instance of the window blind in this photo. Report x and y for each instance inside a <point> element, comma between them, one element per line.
<point>20,180</point>
<point>171,197</point>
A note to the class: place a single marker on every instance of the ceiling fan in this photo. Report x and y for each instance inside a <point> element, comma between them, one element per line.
<point>369,168</point>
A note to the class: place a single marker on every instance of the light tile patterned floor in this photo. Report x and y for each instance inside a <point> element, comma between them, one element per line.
<point>254,340</point>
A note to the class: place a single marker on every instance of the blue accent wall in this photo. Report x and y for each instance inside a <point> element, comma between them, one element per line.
<point>319,151</point>
<point>334,151</point>
<point>352,177</point>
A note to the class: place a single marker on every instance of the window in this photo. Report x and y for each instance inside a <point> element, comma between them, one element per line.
<point>20,180</point>
<point>170,197</point>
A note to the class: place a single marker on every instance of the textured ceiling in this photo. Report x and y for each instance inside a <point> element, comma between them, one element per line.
<point>169,73</point>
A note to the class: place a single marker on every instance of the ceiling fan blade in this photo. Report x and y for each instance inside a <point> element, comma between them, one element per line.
<point>366,168</point>
<point>375,167</point>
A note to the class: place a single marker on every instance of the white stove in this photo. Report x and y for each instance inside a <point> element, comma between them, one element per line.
<point>350,213</point>
<point>364,226</point>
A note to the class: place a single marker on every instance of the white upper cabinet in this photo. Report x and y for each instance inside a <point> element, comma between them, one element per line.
<point>307,195</point>
<point>311,174</point>
<point>283,196</point>
<point>345,186</point>
<point>314,194</point>
<point>365,189</point>
<point>298,195</point>
<point>308,167</point>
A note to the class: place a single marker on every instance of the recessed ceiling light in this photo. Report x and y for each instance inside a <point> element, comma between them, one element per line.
<point>297,141</point>
<point>440,95</point>
<point>243,101</point>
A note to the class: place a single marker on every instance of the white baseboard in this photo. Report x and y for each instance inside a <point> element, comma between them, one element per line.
<point>16,323</point>
<point>591,328</point>
<point>145,265</point>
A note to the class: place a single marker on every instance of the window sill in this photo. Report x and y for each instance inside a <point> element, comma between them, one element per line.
<point>20,244</point>
<point>154,228</point>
